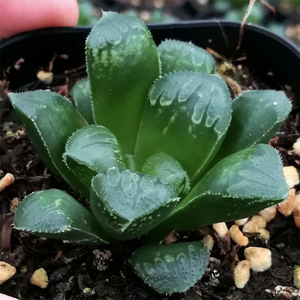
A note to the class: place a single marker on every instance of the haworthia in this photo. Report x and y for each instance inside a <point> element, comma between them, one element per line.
<point>82,97</point>
<point>171,268</point>
<point>128,204</point>
<point>122,64</point>
<point>181,56</point>
<point>54,214</point>
<point>91,150</point>
<point>186,116</point>
<point>256,117</point>
<point>49,120</point>
<point>168,170</point>
<point>239,186</point>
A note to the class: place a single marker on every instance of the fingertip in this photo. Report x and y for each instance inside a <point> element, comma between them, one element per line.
<point>65,13</point>
<point>20,16</point>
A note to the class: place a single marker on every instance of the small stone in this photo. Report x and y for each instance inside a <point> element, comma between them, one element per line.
<point>259,258</point>
<point>39,278</point>
<point>297,277</point>
<point>296,211</point>
<point>241,222</point>
<point>296,147</point>
<point>238,236</point>
<point>268,213</point>
<point>259,221</point>
<point>14,203</point>
<point>291,176</point>
<point>45,77</point>
<point>6,271</point>
<point>286,208</point>
<point>6,181</point>
<point>241,274</point>
<point>208,241</point>
<point>221,229</point>
<point>265,234</point>
<point>250,227</point>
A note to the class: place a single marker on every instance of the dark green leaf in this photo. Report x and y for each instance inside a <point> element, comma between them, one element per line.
<point>186,116</point>
<point>237,187</point>
<point>181,56</point>
<point>169,171</point>
<point>128,204</point>
<point>122,63</point>
<point>171,268</point>
<point>54,214</point>
<point>49,120</point>
<point>82,98</point>
<point>256,117</point>
<point>91,150</point>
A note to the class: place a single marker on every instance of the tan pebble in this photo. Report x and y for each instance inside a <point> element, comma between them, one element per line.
<point>241,222</point>
<point>6,181</point>
<point>208,241</point>
<point>286,208</point>
<point>259,221</point>
<point>296,211</point>
<point>238,236</point>
<point>221,229</point>
<point>39,278</point>
<point>297,277</point>
<point>14,203</point>
<point>6,271</point>
<point>44,76</point>
<point>250,227</point>
<point>297,200</point>
<point>259,258</point>
<point>170,238</point>
<point>265,234</point>
<point>296,147</point>
<point>296,215</point>
<point>241,274</point>
<point>268,213</point>
<point>291,176</point>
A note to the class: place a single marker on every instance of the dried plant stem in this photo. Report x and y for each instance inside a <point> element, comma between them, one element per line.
<point>247,14</point>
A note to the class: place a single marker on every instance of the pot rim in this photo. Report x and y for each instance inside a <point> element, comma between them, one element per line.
<point>156,26</point>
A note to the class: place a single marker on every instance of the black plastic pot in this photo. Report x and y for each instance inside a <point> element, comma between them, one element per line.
<point>272,59</point>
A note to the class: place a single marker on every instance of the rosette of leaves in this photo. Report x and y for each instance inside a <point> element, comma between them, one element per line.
<point>154,140</point>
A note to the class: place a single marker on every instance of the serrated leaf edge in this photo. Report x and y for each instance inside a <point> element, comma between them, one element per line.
<point>67,227</point>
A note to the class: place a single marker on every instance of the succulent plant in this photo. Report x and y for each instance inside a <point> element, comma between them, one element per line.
<point>155,142</point>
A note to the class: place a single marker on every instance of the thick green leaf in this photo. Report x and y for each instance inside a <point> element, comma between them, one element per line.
<point>171,268</point>
<point>56,215</point>
<point>122,63</point>
<point>91,150</point>
<point>181,56</point>
<point>186,116</point>
<point>256,117</point>
<point>237,187</point>
<point>49,120</point>
<point>82,97</point>
<point>168,170</point>
<point>128,204</point>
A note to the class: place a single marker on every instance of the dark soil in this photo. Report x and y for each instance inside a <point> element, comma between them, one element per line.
<point>79,272</point>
